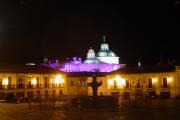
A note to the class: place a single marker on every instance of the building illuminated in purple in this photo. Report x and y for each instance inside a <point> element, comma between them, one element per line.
<point>106,61</point>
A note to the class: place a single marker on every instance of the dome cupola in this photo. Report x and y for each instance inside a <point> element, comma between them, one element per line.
<point>104,51</point>
<point>91,53</point>
<point>105,54</point>
<point>91,57</point>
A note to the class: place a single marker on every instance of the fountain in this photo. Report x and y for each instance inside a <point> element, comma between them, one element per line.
<point>96,101</point>
<point>94,85</point>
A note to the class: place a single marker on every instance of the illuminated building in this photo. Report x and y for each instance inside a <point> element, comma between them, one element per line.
<point>155,81</point>
<point>71,77</point>
<point>106,61</point>
<point>118,78</point>
<point>29,81</point>
<point>33,80</point>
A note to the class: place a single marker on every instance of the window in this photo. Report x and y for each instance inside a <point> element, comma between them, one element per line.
<point>29,80</point>
<point>72,83</point>
<point>19,83</point>
<point>149,83</point>
<point>127,84</point>
<point>138,83</point>
<point>60,92</point>
<point>115,84</point>
<point>38,81</point>
<point>45,82</point>
<point>46,94</point>
<point>54,93</point>
<point>10,83</point>
<point>29,84</point>
<point>164,82</point>
<point>82,83</point>
<point>9,80</point>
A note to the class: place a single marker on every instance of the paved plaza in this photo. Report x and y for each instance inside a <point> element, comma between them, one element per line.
<point>153,110</point>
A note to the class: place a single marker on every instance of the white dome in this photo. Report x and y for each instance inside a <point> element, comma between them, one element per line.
<point>91,53</point>
<point>91,57</point>
<point>102,54</point>
<point>105,53</point>
<point>112,54</point>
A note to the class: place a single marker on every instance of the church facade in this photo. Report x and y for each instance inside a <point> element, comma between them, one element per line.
<point>104,61</point>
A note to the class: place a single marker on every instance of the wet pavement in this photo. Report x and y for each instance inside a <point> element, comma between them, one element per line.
<point>153,110</point>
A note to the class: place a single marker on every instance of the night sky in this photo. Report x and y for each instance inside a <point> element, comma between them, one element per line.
<point>32,29</point>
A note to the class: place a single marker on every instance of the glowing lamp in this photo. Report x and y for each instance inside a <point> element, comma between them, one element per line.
<point>120,82</point>
<point>33,81</point>
<point>5,82</point>
<point>110,82</point>
<point>169,79</point>
<point>154,80</point>
<point>58,80</point>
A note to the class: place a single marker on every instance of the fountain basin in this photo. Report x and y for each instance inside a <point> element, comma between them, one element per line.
<point>95,102</point>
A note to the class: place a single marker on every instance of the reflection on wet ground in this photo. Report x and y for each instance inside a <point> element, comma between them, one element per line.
<point>153,110</point>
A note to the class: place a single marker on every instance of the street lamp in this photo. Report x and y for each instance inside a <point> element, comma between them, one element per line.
<point>58,80</point>
<point>5,81</point>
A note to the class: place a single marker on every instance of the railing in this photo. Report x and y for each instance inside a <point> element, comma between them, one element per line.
<point>149,86</point>
<point>29,86</point>
<point>34,86</point>
<point>9,87</point>
<point>20,86</point>
<point>45,86</point>
<point>165,86</point>
<point>138,87</point>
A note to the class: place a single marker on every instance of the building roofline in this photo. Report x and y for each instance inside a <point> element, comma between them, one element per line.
<point>144,69</point>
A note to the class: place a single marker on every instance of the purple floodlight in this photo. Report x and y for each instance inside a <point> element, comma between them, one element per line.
<point>76,65</point>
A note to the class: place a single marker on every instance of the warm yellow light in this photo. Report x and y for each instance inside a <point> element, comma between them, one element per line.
<point>154,80</point>
<point>120,81</point>
<point>5,82</point>
<point>110,82</point>
<point>116,82</point>
<point>58,80</point>
<point>34,81</point>
<point>169,79</point>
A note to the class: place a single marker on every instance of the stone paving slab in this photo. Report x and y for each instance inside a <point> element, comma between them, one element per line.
<point>154,110</point>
